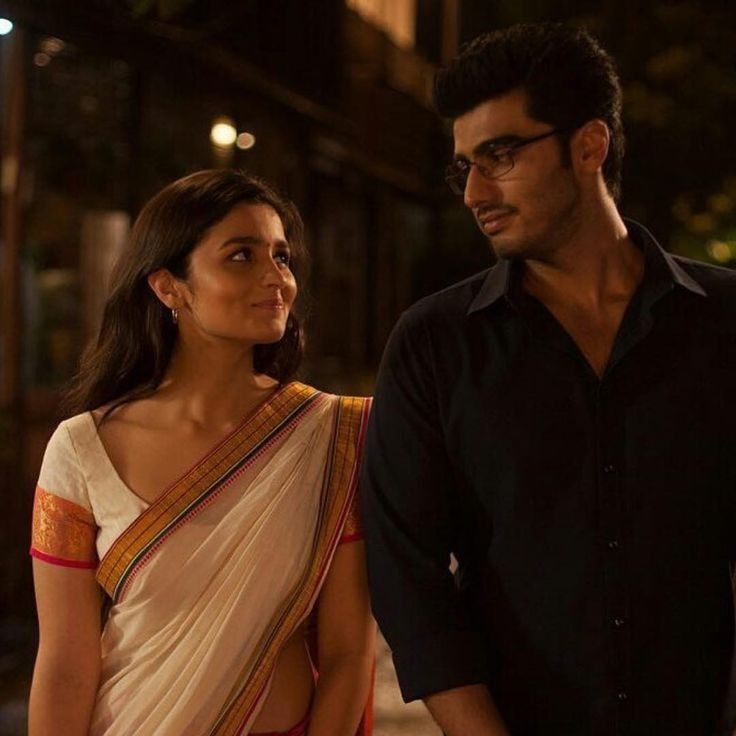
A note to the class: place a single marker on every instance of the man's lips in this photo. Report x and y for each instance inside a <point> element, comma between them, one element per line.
<point>492,221</point>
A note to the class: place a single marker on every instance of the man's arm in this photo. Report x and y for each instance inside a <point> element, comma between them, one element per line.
<point>411,519</point>
<point>466,710</point>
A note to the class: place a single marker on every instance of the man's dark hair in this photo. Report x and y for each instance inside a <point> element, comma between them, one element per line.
<point>567,76</point>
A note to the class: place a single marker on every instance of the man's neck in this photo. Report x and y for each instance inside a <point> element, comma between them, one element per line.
<point>598,265</point>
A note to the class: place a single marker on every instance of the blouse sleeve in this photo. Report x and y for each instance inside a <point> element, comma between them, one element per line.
<point>353,529</point>
<point>63,529</point>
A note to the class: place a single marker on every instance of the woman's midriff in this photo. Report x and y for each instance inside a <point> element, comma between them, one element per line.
<point>291,690</point>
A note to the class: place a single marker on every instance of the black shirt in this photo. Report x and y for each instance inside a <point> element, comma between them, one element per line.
<point>592,520</point>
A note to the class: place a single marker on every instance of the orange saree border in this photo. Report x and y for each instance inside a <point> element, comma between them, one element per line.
<point>339,488</point>
<point>177,504</point>
<point>63,532</point>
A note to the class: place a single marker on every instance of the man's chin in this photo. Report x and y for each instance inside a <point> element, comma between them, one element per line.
<point>505,248</point>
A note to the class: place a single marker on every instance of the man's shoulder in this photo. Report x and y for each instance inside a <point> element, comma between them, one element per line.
<point>718,282</point>
<point>448,304</point>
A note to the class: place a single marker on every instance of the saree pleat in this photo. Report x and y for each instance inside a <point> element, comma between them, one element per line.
<point>340,474</point>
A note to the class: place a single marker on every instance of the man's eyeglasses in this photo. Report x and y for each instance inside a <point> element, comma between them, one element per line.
<point>493,161</point>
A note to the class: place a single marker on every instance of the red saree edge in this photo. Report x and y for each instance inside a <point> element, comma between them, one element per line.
<point>298,730</point>
<point>351,538</point>
<point>61,561</point>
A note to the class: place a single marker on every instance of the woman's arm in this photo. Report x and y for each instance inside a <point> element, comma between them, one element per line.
<point>67,671</point>
<point>345,645</point>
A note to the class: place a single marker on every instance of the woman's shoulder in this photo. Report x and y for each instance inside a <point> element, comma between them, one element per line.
<point>138,412</point>
<point>360,405</point>
<point>62,471</point>
<point>70,432</point>
<point>341,402</point>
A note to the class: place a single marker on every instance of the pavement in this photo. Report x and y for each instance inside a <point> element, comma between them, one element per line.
<point>392,716</point>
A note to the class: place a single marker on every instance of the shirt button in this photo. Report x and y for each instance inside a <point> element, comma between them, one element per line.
<point>618,622</point>
<point>622,695</point>
<point>608,469</point>
<point>613,544</point>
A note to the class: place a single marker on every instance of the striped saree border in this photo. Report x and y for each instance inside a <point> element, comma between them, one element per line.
<point>340,483</point>
<point>181,501</point>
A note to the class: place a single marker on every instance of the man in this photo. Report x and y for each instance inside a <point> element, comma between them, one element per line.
<point>563,424</point>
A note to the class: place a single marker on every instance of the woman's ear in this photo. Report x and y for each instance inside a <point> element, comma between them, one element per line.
<point>166,287</point>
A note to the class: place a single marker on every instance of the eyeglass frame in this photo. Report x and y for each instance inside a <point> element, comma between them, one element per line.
<point>507,148</point>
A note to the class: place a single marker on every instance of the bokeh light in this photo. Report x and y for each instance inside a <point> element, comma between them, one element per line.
<point>245,140</point>
<point>223,133</point>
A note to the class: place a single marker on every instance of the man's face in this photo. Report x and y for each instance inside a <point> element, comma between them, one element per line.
<point>528,210</point>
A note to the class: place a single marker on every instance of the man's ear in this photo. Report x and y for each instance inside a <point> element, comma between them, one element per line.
<point>590,146</point>
<point>166,287</point>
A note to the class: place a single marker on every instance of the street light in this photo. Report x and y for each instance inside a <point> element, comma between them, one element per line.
<point>5,26</point>
<point>223,133</point>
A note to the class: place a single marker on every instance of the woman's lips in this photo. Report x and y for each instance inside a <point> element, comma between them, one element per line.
<point>274,304</point>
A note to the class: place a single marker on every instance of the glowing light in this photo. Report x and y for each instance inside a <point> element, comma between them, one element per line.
<point>41,59</point>
<point>244,141</point>
<point>721,203</point>
<point>719,251</point>
<point>701,223</point>
<point>5,26</point>
<point>223,133</point>
<point>52,46</point>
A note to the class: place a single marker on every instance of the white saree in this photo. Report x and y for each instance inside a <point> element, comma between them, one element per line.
<point>207,583</point>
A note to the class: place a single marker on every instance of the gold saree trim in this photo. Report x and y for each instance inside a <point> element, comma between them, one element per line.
<point>63,532</point>
<point>338,491</point>
<point>177,503</point>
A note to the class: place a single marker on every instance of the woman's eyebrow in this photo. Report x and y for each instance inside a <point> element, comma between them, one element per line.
<point>252,240</point>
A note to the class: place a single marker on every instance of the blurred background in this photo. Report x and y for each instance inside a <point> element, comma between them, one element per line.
<point>105,101</point>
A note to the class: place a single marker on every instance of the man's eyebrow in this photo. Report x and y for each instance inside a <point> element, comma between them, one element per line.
<point>497,142</point>
<point>251,240</point>
<point>501,140</point>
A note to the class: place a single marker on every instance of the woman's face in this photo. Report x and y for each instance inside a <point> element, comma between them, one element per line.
<point>239,284</point>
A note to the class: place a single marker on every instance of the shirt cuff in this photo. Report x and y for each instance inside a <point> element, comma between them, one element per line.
<point>443,662</point>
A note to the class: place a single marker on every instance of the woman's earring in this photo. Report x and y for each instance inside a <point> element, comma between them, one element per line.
<point>175,316</point>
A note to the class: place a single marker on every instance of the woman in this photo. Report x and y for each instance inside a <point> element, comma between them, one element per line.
<point>206,497</point>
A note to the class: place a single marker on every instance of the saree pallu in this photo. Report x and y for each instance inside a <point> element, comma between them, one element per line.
<point>208,582</point>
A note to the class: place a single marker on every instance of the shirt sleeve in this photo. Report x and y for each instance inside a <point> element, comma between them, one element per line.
<point>410,523</point>
<point>63,528</point>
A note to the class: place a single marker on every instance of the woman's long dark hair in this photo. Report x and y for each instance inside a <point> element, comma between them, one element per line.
<point>133,349</point>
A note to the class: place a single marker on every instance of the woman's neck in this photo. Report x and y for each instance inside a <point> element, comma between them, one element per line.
<point>212,385</point>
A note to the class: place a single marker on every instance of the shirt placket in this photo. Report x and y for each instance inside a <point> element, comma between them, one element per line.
<point>612,505</point>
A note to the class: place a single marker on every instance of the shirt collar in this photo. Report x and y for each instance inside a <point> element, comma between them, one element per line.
<point>661,267</point>
<point>496,284</point>
<point>661,273</point>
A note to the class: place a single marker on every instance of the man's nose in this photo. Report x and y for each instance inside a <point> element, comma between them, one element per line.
<point>480,189</point>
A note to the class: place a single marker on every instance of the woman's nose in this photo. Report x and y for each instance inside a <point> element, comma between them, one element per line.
<point>274,272</point>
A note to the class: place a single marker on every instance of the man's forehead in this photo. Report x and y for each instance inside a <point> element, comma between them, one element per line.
<point>494,118</point>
